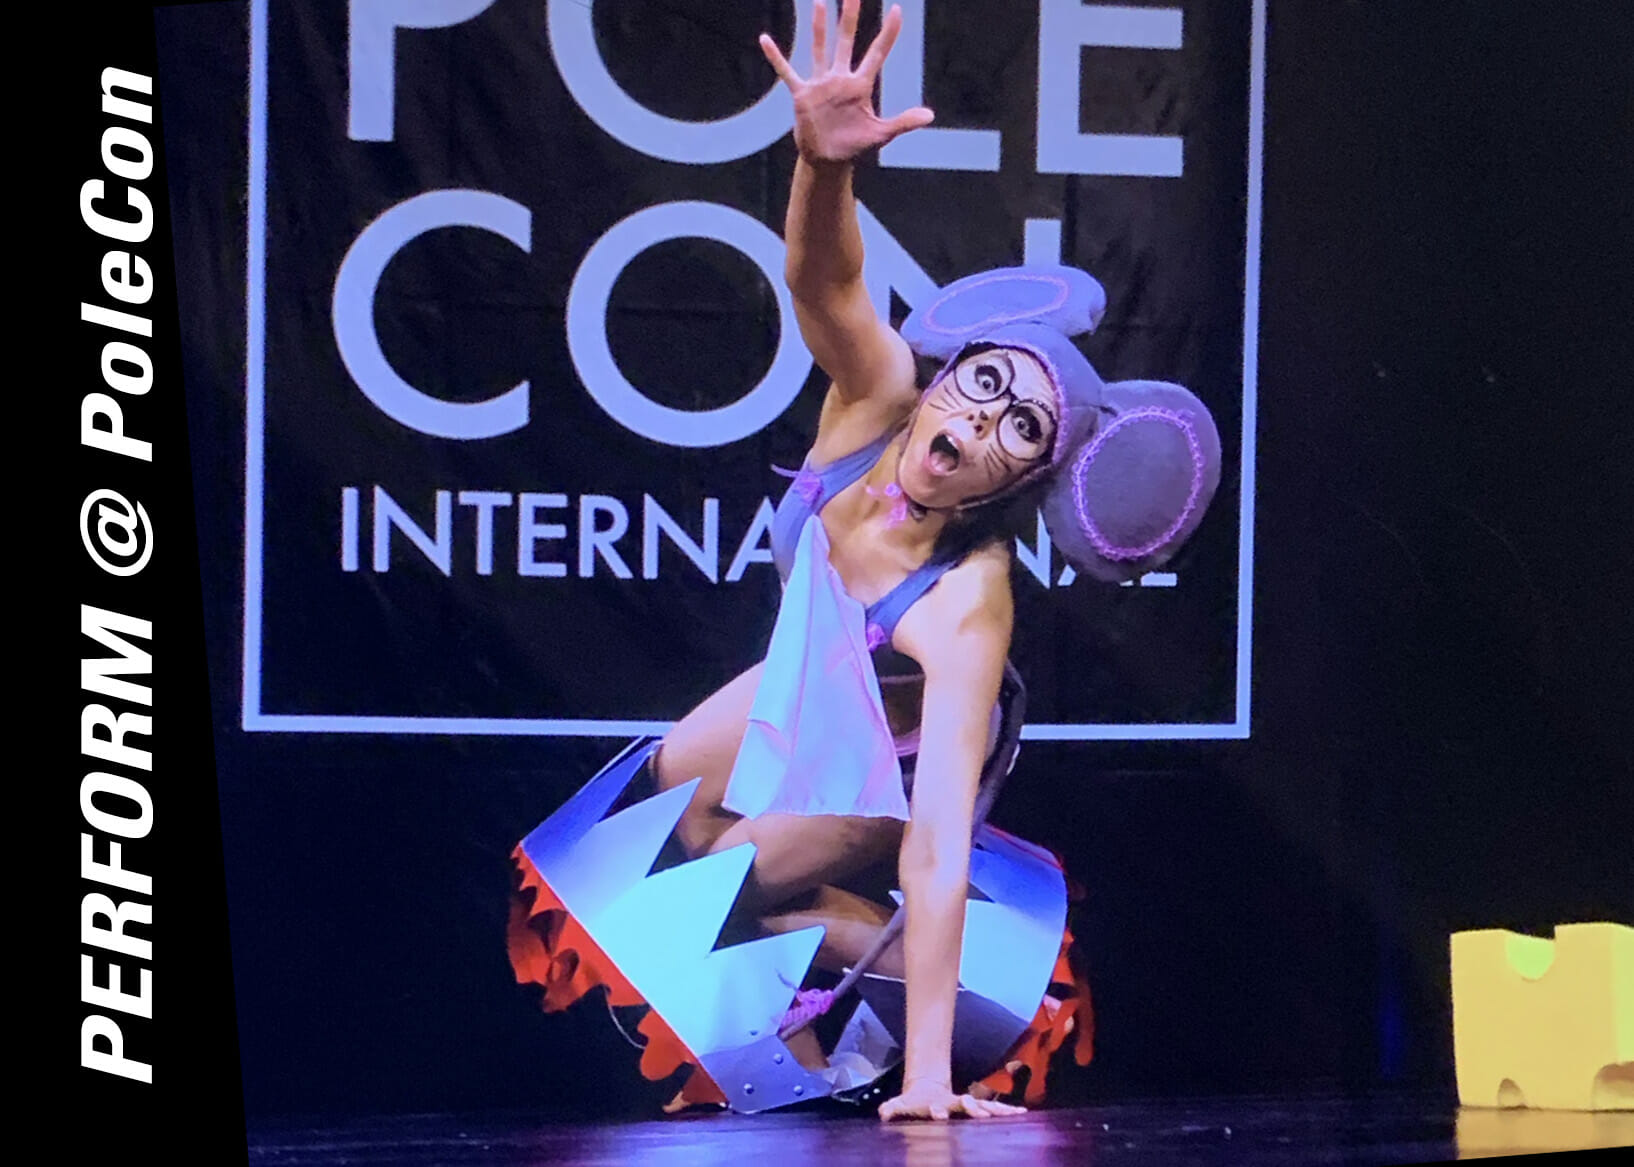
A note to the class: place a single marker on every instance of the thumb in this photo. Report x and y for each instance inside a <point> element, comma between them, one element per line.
<point>913,119</point>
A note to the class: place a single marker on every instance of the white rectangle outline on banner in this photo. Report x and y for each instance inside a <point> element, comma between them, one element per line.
<point>254,471</point>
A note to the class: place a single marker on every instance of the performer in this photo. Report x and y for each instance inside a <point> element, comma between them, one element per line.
<point>885,702</point>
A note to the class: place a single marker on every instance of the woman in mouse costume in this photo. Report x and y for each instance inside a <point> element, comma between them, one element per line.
<point>885,713</point>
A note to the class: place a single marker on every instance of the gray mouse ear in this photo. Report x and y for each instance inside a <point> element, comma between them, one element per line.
<point>1063,298</point>
<point>1137,486</point>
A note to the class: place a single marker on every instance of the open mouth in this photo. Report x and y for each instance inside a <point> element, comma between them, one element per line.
<point>944,454</point>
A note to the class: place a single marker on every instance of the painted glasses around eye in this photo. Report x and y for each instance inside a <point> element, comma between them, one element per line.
<point>1026,428</point>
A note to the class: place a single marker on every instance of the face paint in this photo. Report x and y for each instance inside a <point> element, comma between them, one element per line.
<point>1027,424</point>
<point>982,426</point>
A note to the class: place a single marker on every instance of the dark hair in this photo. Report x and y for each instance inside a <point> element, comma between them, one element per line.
<point>999,519</point>
<point>926,368</point>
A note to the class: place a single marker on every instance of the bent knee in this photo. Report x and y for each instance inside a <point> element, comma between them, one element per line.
<point>703,821</point>
<point>664,764</point>
<point>700,829</point>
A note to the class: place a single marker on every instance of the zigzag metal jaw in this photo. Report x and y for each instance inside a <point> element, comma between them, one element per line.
<point>725,1005</point>
<point>660,931</point>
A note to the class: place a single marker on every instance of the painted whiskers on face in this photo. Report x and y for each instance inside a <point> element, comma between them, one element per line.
<point>1026,426</point>
<point>994,411</point>
<point>992,457</point>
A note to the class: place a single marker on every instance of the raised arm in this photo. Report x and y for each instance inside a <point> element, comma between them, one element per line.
<point>960,634</point>
<point>834,123</point>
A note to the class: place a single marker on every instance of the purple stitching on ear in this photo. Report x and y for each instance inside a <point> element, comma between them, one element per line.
<point>1062,289</point>
<point>1107,548</point>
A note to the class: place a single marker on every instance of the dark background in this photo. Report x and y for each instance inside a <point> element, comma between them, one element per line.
<point>1442,677</point>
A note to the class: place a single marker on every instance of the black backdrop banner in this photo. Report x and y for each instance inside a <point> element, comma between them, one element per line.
<point>517,357</point>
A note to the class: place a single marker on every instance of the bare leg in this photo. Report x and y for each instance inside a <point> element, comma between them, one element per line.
<point>704,744</point>
<point>850,925</point>
<point>796,853</point>
<point>807,1050</point>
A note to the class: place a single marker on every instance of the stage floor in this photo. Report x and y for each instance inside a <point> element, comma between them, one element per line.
<point>1173,1132</point>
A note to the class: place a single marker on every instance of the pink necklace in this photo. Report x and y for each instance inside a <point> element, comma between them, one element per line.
<point>899,508</point>
<point>902,507</point>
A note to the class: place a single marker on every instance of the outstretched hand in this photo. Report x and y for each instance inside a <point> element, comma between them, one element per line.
<point>934,1101</point>
<point>834,118</point>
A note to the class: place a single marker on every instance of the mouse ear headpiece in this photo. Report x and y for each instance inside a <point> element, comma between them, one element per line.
<point>1135,463</point>
<point>1065,299</point>
<point>1125,500</point>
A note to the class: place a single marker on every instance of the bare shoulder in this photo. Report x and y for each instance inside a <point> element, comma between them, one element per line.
<point>970,611</point>
<point>977,587</point>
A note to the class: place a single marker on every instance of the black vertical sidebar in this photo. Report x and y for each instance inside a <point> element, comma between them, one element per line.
<point>131,848</point>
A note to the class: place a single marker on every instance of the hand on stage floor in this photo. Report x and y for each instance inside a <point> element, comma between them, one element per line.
<point>935,1101</point>
<point>834,118</point>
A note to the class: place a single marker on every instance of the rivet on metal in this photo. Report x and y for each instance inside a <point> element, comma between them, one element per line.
<point>777,1059</point>
<point>799,1089</point>
<point>748,1087</point>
